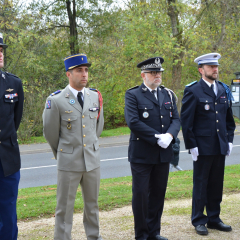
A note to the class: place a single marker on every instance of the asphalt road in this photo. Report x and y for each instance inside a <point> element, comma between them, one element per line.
<point>39,169</point>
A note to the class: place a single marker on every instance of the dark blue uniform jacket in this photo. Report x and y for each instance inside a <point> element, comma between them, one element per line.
<point>11,108</point>
<point>207,120</point>
<point>162,117</point>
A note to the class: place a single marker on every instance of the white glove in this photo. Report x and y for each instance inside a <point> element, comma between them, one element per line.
<point>164,139</point>
<point>194,152</point>
<point>230,146</point>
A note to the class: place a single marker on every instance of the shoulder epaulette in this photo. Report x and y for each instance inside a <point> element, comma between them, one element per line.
<point>55,93</point>
<point>10,74</point>
<point>133,87</point>
<point>93,89</point>
<point>192,83</point>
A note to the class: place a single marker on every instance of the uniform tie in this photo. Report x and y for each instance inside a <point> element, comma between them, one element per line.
<point>212,87</point>
<point>153,92</point>
<point>80,99</point>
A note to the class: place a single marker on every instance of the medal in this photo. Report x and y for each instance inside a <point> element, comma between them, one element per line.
<point>69,126</point>
<point>145,114</point>
<point>207,107</point>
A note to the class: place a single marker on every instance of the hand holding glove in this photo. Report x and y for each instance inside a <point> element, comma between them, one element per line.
<point>230,146</point>
<point>194,152</point>
<point>164,139</point>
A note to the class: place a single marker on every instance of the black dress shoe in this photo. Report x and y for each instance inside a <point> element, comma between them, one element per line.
<point>201,229</point>
<point>157,237</point>
<point>219,226</point>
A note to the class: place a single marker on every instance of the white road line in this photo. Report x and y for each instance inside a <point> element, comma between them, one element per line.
<point>103,160</point>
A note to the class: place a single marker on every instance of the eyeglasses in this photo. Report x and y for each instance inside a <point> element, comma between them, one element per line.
<point>154,73</point>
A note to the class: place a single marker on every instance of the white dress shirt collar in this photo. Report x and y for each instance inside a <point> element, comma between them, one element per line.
<point>75,92</point>
<point>214,85</point>
<point>155,94</point>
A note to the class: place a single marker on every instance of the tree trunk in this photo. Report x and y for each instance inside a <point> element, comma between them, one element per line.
<point>74,48</point>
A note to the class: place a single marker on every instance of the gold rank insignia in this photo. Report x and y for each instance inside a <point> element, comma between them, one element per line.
<point>68,111</point>
<point>9,90</point>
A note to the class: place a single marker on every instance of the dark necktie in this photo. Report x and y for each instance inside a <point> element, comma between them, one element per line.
<point>80,98</point>
<point>212,89</point>
<point>153,92</point>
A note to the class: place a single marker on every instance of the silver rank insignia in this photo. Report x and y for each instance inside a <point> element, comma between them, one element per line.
<point>145,114</point>
<point>67,95</point>
<point>207,107</point>
<point>3,75</point>
<point>144,89</point>
<point>9,90</point>
<point>95,104</point>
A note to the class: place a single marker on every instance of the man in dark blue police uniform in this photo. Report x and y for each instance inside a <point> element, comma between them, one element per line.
<point>152,116</point>
<point>11,107</point>
<point>208,130</point>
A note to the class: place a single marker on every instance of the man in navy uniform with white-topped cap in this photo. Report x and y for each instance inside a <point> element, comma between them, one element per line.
<point>208,130</point>
<point>151,114</point>
<point>72,124</point>
<point>11,109</point>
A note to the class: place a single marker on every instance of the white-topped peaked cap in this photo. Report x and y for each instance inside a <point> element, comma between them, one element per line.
<point>208,59</point>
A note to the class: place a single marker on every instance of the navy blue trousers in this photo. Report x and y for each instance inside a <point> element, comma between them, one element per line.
<point>149,183</point>
<point>8,201</point>
<point>208,176</point>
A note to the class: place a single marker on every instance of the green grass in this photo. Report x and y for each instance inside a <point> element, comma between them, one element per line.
<point>106,133</point>
<point>114,192</point>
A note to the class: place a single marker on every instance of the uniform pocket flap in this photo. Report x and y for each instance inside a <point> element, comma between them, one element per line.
<point>168,106</point>
<point>66,148</point>
<point>69,118</point>
<point>93,115</point>
<point>205,100</point>
<point>203,132</point>
<point>223,100</point>
<point>13,100</point>
<point>145,106</point>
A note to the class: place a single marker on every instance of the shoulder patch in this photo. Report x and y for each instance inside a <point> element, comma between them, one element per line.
<point>192,83</point>
<point>55,93</point>
<point>133,87</point>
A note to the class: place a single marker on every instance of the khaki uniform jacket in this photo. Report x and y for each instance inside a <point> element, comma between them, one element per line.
<point>73,132</point>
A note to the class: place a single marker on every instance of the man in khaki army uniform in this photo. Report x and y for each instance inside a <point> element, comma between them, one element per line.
<point>72,123</point>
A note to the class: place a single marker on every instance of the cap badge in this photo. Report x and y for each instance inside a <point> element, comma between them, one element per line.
<point>157,60</point>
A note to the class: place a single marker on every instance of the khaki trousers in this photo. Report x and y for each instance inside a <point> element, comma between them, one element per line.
<point>66,192</point>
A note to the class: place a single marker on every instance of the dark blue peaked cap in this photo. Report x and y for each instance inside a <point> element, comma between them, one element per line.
<point>152,64</point>
<point>75,61</point>
<point>1,42</point>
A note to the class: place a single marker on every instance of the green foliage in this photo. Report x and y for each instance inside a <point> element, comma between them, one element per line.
<point>115,39</point>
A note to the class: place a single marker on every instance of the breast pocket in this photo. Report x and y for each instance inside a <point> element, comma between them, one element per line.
<point>9,105</point>
<point>206,104</point>
<point>69,123</point>
<point>145,112</point>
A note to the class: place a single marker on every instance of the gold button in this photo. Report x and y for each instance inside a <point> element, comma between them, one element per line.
<point>61,150</point>
<point>69,119</point>
<point>11,100</point>
<point>162,125</point>
<point>0,130</point>
<point>95,116</point>
<point>225,101</point>
<point>161,116</point>
<point>170,107</point>
<point>217,130</point>
<point>83,116</point>
<point>217,121</point>
<point>84,135</point>
<point>216,112</point>
<point>84,145</point>
<point>206,100</point>
<point>83,126</point>
<point>0,142</point>
<point>215,103</point>
<point>137,138</point>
